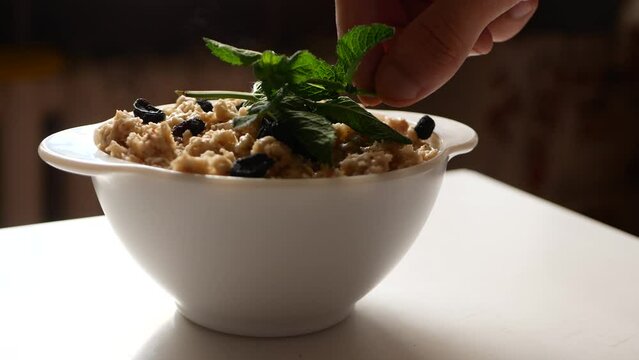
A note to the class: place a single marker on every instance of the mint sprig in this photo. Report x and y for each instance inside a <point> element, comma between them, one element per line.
<point>352,47</point>
<point>231,54</point>
<point>302,95</point>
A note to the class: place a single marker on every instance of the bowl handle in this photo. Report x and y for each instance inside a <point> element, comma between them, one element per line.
<point>457,138</point>
<point>73,150</point>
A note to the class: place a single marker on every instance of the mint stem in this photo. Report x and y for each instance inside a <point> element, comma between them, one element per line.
<point>212,95</point>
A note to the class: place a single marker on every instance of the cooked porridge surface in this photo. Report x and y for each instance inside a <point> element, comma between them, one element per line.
<point>219,145</point>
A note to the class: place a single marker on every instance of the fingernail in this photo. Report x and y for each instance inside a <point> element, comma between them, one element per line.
<point>522,9</point>
<point>369,100</point>
<point>484,44</point>
<point>395,84</point>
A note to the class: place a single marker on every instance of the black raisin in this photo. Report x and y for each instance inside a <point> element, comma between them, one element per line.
<point>147,112</point>
<point>195,126</point>
<point>254,166</point>
<point>425,127</point>
<point>205,105</point>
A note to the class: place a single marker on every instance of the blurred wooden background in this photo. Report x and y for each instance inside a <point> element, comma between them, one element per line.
<point>556,108</point>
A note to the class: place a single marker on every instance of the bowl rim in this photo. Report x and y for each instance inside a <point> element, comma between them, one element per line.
<point>456,138</point>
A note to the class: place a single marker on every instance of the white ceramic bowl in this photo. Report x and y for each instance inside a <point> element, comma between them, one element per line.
<point>262,257</point>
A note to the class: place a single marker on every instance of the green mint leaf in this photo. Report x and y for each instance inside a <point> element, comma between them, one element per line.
<point>304,67</point>
<point>313,91</point>
<point>259,107</point>
<point>294,102</point>
<point>352,47</point>
<point>314,132</point>
<point>313,78</point>
<point>272,70</point>
<point>346,111</point>
<point>230,54</point>
<point>257,111</point>
<point>244,120</point>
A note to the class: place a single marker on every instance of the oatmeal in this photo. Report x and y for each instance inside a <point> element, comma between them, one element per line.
<point>198,136</point>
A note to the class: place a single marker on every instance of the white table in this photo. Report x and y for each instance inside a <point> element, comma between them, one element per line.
<point>496,274</point>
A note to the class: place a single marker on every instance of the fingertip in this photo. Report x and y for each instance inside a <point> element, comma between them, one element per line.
<point>395,86</point>
<point>484,43</point>
<point>365,75</point>
<point>523,9</point>
<point>513,21</point>
<point>369,100</point>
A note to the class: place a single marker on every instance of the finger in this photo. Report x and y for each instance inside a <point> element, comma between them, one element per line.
<point>365,75</point>
<point>355,12</point>
<point>415,7</point>
<point>484,44</point>
<point>433,47</point>
<point>509,24</point>
<point>349,13</point>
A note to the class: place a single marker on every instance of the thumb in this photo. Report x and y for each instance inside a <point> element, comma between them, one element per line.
<point>432,48</point>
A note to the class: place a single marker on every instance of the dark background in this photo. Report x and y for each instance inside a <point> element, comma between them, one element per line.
<point>555,108</point>
<point>118,27</point>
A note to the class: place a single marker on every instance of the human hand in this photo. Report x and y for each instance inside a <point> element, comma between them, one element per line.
<point>434,38</point>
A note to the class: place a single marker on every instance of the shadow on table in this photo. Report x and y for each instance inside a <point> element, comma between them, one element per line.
<point>360,335</point>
